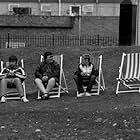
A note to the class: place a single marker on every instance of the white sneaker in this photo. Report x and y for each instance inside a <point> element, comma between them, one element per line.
<point>3,100</point>
<point>87,94</point>
<point>80,94</point>
<point>24,99</point>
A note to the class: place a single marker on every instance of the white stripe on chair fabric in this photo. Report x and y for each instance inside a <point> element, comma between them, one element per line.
<point>133,66</point>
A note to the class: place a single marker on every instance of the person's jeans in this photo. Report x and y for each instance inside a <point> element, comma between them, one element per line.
<point>87,81</point>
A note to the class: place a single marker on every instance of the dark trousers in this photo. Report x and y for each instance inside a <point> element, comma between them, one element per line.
<point>87,81</point>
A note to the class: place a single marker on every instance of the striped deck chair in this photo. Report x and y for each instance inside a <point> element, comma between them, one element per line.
<point>100,86</point>
<point>129,73</point>
<point>61,87</point>
<point>12,92</point>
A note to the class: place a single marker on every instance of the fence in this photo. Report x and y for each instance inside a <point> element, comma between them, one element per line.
<point>53,40</point>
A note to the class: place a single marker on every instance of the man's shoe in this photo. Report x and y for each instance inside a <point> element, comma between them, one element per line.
<point>3,100</point>
<point>45,96</point>
<point>80,94</point>
<point>87,94</point>
<point>24,99</point>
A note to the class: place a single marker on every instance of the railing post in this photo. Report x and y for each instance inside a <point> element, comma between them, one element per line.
<point>98,40</point>
<point>53,41</point>
<point>8,38</point>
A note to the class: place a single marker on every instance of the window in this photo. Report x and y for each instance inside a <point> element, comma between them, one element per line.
<point>22,10</point>
<point>11,6</point>
<point>46,9</point>
<point>87,9</point>
<point>75,10</point>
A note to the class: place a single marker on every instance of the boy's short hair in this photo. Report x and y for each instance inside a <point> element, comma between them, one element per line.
<point>13,58</point>
<point>86,56</point>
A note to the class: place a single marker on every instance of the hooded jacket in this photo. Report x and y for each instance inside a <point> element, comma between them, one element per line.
<point>48,69</point>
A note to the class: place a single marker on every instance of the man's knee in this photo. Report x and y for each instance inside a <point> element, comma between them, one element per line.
<point>52,80</point>
<point>37,80</point>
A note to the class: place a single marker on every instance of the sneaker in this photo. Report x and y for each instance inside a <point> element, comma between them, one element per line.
<point>45,96</point>
<point>3,100</point>
<point>24,99</point>
<point>80,94</point>
<point>87,94</point>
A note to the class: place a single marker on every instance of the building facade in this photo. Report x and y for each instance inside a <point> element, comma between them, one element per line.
<point>61,7</point>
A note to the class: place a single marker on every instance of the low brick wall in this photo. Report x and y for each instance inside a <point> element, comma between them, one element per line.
<point>90,25</point>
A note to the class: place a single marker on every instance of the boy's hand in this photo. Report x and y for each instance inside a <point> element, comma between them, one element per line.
<point>44,78</point>
<point>11,73</point>
<point>83,73</point>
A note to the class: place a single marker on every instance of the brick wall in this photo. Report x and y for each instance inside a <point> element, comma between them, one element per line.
<point>91,25</point>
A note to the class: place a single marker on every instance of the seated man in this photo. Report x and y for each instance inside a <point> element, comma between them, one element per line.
<point>47,74</point>
<point>85,75</point>
<point>12,75</point>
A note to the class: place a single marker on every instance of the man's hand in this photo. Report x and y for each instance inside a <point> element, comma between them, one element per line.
<point>44,78</point>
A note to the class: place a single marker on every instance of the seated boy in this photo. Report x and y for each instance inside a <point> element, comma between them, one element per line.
<point>85,75</point>
<point>47,74</point>
<point>12,75</point>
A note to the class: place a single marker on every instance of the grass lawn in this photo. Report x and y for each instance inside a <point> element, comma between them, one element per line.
<point>103,117</point>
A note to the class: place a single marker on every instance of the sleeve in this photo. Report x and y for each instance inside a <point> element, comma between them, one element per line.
<point>56,72</point>
<point>20,73</point>
<point>3,73</point>
<point>38,74</point>
<point>78,71</point>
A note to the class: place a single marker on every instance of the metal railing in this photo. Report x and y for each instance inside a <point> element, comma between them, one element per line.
<point>55,40</point>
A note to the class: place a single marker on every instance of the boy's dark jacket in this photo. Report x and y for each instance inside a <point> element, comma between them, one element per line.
<point>94,71</point>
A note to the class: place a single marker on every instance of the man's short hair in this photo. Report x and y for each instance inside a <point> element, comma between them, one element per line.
<point>86,56</point>
<point>46,54</point>
<point>13,58</point>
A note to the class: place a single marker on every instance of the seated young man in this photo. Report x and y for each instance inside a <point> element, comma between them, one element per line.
<point>12,75</point>
<point>47,74</point>
<point>85,75</point>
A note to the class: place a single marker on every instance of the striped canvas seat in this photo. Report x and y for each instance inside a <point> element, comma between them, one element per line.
<point>129,73</point>
<point>60,87</point>
<point>100,84</point>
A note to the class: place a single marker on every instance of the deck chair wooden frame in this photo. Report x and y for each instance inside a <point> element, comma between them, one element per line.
<point>55,93</point>
<point>14,94</point>
<point>97,61</point>
<point>129,74</point>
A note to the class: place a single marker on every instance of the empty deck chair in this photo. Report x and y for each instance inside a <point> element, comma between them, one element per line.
<point>100,84</point>
<point>61,87</point>
<point>11,91</point>
<point>129,74</point>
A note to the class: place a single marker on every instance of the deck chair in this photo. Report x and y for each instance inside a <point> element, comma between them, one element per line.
<point>61,87</point>
<point>100,84</point>
<point>129,74</point>
<point>11,91</point>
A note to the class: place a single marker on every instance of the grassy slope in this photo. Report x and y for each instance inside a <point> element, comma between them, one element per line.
<point>111,61</point>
